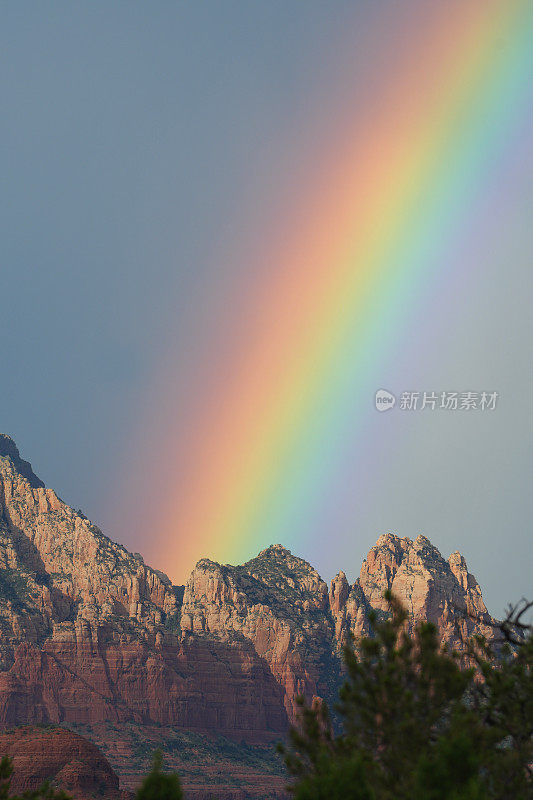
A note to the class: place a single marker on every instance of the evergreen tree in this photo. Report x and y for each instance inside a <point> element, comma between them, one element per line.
<point>418,726</point>
<point>159,785</point>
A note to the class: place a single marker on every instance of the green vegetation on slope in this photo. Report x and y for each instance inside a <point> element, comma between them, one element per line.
<point>418,726</point>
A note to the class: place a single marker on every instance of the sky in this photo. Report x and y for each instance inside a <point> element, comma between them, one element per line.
<point>225,226</point>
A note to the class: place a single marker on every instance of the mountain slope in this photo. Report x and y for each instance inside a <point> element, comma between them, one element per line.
<point>90,634</point>
<point>277,602</point>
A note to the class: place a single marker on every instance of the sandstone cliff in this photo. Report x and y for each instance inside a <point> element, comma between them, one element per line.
<point>431,588</point>
<point>277,602</point>
<point>90,634</point>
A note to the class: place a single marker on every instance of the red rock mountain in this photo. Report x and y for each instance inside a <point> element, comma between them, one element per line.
<point>89,634</point>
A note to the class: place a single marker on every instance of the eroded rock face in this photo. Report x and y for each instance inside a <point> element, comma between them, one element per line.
<point>431,588</point>
<point>69,761</point>
<point>276,601</point>
<point>78,572</point>
<point>90,633</point>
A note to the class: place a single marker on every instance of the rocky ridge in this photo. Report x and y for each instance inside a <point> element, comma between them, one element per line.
<point>90,634</point>
<point>431,588</point>
<point>276,601</point>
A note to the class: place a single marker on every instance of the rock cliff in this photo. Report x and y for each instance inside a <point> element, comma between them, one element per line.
<point>276,601</point>
<point>90,634</point>
<point>431,588</point>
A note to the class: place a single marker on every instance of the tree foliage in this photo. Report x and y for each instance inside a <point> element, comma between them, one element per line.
<point>416,725</point>
<point>159,785</point>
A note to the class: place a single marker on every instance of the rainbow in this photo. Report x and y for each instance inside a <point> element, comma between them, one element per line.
<point>286,404</point>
